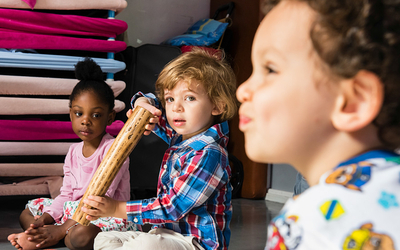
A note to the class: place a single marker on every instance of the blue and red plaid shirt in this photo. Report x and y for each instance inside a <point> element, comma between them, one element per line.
<point>194,191</point>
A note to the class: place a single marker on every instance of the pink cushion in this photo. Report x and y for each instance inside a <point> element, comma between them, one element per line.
<point>27,85</point>
<point>57,24</point>
<point>21,40</point>
<point>116,5</point>
<point>40,106</point>
<point>31,130</point>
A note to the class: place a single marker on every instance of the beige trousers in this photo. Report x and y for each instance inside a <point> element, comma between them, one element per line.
<point>155,239</point>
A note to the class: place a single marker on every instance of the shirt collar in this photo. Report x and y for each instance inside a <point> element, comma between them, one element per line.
<point>369,155</point>
<point>217,133</point>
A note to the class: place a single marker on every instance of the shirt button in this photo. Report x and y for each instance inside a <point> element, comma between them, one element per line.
<point>165,166</point>
<point>135,220</point>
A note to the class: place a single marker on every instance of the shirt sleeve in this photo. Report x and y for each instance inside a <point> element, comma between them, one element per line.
<point>202,174</point>
<point>55,210</point>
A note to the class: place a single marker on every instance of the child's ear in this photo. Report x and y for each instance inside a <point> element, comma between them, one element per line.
<point>358,102</point>
<point>111,118</point>
<point>218,109</point>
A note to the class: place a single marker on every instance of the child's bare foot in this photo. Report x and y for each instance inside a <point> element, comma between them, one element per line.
<point>45,236</point>
<point>20,241</point>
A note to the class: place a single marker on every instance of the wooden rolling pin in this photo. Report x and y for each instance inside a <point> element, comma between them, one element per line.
<point>121,148</point>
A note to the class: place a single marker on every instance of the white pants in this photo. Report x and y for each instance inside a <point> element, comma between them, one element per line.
<point>155,239</point>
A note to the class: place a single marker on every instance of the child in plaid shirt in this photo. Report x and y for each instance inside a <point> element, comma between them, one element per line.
<point>192,210</point>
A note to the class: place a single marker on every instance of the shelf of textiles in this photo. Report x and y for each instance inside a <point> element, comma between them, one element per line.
<point>40,43</point>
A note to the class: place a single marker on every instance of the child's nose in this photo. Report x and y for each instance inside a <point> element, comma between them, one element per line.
<point>243,92</point>
<point>85,121</point>
<point>177,107</point>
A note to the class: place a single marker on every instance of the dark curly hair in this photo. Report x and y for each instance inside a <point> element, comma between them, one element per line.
<point>354,35</point>
<point>92,79</point>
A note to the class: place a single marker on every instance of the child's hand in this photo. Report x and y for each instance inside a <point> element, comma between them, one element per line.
<point>45,219</point>
<point>47,235</point>
<point>103,207</point>
<point>156,112</point>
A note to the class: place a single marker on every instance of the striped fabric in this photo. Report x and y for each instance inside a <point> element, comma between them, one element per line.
<point>194,192</point>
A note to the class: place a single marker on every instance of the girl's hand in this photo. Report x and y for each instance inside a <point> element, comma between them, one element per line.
<point>45,219</point>
<point>103,207</point>
<point>45,236</point>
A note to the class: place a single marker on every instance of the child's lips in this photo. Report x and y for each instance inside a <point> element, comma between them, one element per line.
<point>85,132</point>
<point>243,121</point>
<point>179,122</point>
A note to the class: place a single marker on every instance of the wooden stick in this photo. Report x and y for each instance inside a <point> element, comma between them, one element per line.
<point>121,148</point>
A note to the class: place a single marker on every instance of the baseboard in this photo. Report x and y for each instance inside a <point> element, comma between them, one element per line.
<point>278,195</point>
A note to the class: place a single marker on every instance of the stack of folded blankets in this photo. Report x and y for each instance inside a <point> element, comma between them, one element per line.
<point>40,43</point>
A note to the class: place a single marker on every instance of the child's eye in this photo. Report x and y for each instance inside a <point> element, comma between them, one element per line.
<point>169,99</point>
<point>96,115</point>
<point>190,98</point>
<point>269,70</point>
<point>78,114</point>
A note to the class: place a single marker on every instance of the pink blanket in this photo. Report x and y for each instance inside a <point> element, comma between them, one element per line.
<point>31,130</point>
<point>56,24</point>
<point>40,106</point>
<point>16,148</point>
<point>27,85</point>
<point>37,186</point>
<point>21,29</point>
<point>21,40</point>
<point>117,5</point>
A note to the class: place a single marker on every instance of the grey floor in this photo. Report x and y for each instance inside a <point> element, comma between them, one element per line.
<point>249,222</point>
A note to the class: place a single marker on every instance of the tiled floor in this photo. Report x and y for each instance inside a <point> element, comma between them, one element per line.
<point>249,222</point>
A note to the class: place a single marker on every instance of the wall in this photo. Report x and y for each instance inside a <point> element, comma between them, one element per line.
<point>154,21</point>
<point>283,177</point>
<point>245,20</point>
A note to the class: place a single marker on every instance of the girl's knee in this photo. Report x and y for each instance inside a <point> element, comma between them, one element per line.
<point>26,218</point>
<point>81,237</point>
<point>26,212</point>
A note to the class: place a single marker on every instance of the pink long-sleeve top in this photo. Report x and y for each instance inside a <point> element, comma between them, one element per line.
<point>78,172</point>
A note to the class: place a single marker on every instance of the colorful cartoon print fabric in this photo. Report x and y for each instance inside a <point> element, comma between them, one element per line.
<point>354,207</point>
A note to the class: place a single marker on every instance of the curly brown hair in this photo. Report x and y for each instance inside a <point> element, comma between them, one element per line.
<point>209,69</point>
<point>354,35</point>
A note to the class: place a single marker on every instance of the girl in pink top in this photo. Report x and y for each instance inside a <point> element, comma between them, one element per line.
<point>47,221</point>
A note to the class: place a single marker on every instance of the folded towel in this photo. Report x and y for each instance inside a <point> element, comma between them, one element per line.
<point>117,5</point>
<point>14,189</point>
<point>34,148</point>
<point>38,106</point>
<point>37,186</point>
<point>57,24</point>
<point>10,39</point>
<point>25,85</point>
<point>31,169</point>
<point>54,62</point>
<point>31,130</point>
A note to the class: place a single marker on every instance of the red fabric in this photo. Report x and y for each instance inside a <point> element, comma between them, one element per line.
<point>31,3</point>
<point>55,24</point>
<point>32,130</point>
<point>188,48</point>
<point>20,40</point>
